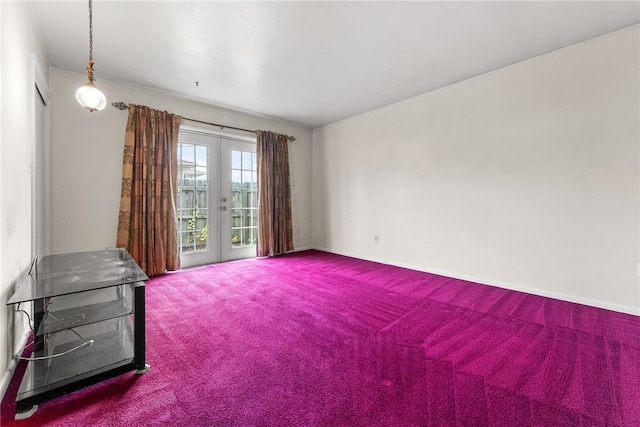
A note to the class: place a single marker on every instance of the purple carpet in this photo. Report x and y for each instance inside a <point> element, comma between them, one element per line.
<point>316,339</point>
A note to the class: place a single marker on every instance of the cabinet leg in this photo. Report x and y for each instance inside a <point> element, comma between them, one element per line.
<point>26,414</point>
<point>143,370</point>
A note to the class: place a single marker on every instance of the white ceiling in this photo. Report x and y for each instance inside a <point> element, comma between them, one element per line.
<point>312,63</point>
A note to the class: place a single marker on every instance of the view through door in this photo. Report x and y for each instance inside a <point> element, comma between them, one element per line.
<point>217,198</point>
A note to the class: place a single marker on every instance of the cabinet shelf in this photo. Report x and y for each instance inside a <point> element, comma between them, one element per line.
<point>103,304</point>
<point>112,344</point>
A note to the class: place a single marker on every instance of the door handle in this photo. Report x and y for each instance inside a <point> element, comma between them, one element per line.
<point>223,208</point>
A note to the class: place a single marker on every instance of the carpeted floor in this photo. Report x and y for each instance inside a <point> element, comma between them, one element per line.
<point>315,339</point>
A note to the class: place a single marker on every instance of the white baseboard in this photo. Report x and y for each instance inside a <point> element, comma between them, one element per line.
<point>13,363</point>
<point>627,309</point>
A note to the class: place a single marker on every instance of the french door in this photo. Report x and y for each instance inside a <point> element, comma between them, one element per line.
<point>217,198</point>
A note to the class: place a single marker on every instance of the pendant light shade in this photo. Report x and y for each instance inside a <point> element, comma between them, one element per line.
<point>89,96</point>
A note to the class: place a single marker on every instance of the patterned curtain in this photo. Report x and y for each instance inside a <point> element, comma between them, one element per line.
<point>147,224</point>
<point>275,227</point>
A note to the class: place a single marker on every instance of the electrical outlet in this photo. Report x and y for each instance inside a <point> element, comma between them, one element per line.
<point>376,238</point>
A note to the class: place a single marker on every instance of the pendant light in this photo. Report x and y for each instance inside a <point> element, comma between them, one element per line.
<point>89,96</point>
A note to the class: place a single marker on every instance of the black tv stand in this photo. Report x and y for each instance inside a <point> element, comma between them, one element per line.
<point>89,323</point>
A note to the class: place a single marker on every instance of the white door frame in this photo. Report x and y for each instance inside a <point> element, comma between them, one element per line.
<point>212,253</point>
<point>227,251</point>
<point>218,219</point>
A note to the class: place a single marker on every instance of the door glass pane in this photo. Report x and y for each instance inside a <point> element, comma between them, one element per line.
<point>236,218</point>
<point>246,179</point>
<point>235,237</point>
<point>246,240</point>
<point>246,160</point>
<point>193,197</point>
<point>236,159</point>
<point>236,199</point>
<point>244,187</point>
<point>236,179</point>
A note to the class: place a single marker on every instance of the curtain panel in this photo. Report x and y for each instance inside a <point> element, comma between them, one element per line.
<point>275,226</point>
<point>147,223</point>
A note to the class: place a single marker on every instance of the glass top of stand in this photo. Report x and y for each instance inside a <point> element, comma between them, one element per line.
<point>70,273</point>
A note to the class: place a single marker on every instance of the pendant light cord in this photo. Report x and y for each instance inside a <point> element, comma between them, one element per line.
<point>90,67</point>
<point>89,96</point>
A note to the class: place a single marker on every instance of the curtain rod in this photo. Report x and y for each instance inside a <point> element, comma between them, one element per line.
<point>123,106</point>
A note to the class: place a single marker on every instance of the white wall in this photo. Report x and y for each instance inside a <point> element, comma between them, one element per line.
<point>86,161</point>
<point>20,41</point>
<point>526,177</point>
